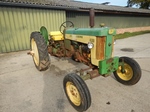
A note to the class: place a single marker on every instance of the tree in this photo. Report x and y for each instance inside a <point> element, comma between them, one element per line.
<point>144,4</point>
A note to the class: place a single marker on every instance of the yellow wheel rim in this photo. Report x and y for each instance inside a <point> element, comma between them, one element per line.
<point>73,93</point>
<point>35,51</point>
<point>127,75</point>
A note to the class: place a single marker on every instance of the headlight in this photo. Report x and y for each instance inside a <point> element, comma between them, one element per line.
<point>90,45</point>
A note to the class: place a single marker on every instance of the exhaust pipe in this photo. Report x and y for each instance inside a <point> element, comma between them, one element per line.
<point>92,16</point>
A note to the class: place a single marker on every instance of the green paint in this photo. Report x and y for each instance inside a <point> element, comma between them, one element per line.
<point>108,66</point>
<point>90,31</point>
<point>108,46</point>
<point>44,33</point>
<point>55,50</point>
<point>67,44</point>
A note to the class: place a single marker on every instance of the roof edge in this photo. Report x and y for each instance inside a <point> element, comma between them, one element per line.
<point>6,4</point>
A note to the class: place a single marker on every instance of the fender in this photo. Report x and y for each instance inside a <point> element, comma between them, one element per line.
<point>44,33</point>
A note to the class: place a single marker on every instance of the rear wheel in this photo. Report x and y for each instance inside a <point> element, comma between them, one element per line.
<point>77,92</point>
<point>39,51</point>
<point>129,71</point>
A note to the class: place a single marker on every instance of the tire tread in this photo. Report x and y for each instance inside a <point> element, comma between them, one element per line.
<point>44,60</point>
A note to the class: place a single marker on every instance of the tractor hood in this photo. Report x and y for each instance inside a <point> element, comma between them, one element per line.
<point>104,31</point>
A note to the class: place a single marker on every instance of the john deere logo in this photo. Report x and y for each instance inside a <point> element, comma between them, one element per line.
<point>79,36</point>
<point>111,31</point>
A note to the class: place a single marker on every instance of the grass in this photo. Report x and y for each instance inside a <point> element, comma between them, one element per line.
<point>128,34</point>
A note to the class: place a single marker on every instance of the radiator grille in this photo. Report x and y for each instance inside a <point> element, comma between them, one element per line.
<point>100,48</point>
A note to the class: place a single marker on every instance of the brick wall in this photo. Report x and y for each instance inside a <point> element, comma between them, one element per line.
<point>135,29</point>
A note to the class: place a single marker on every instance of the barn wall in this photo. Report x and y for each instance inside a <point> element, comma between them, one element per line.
<point>16,25</point>
<point>81,19</point>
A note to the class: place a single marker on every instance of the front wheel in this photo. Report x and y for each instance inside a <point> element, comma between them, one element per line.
<point>129,71</point>
<point>77,92</point>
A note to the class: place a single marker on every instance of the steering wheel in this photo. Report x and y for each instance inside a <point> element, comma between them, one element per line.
<point>64,25</point>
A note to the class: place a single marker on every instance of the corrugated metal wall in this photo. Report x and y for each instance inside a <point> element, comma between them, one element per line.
<point>16,25</point>
<point>81,19</point>
<point>122,21</point>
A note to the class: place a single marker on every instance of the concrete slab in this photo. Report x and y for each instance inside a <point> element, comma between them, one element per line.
<point>139,44</point>
<point>24,89</point>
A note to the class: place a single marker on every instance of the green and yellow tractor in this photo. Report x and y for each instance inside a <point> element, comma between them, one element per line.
<point>91,46</point>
